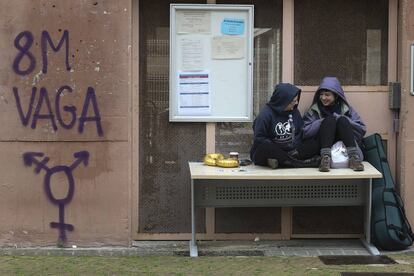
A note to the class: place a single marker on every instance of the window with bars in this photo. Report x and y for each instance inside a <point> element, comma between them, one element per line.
<point>165,148</point>
<point>346,39</point>
<point>267,72</point>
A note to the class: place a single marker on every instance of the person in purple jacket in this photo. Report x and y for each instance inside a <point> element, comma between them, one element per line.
<point>278,131</point>
<point>331,118</point>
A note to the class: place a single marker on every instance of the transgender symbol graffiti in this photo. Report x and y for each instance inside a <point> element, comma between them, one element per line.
<point>30,158</point>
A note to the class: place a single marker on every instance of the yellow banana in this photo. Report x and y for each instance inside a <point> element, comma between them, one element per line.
<point>227,163</point>
<point>211,159</point>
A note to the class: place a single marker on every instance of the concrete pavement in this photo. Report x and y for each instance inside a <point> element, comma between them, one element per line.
<point>308,247</point>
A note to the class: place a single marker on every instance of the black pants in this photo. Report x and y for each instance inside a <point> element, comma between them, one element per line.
<point>330,131</point>
<point>269,151</point>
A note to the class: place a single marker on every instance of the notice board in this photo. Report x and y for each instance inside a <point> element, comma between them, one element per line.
<point>211,61</point>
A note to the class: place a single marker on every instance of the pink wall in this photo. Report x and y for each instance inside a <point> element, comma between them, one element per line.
<point>406,139</point>
<point>97,35</point>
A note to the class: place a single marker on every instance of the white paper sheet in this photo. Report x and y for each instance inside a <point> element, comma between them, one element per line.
<point>193,22</point>
<point>192,53</point>
<point>227,47</point>
<point>194,93</point>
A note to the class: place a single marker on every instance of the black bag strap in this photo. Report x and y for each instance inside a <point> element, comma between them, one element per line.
<point>401,232</point>
<point>393,204</point>
<point>402,210</point>
<point>406,229</point>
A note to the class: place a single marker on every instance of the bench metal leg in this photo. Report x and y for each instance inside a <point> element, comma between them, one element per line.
<point>193,250</point>
<point>370,247</point>
<point>193,242</point>
<point>366,241</point>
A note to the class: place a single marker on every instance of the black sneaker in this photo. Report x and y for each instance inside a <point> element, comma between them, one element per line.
<point>293,154</point>
<point>273,163</point>
<point>307,163</point>
<point>312,162</point>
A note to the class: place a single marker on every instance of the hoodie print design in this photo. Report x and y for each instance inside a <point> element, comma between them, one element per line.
<point>283,131</point>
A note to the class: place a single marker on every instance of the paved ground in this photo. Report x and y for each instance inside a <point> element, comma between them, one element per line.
<point>211,248</point>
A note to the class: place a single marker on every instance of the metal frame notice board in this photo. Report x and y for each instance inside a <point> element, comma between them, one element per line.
<point>211,61</point>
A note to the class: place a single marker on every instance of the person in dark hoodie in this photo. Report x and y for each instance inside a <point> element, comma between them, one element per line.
<point>331,118</point>
<point>278,131</point>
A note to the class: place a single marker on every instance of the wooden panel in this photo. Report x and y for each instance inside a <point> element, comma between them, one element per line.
<point>351,88</point>
<point>248,220</point>
<point>288,41</point>
<point>326,236</point>
<point>201,171</point>
<point>210,148</point>
<point>392,39</point>
<point>220,236</point>
<point>327,220</point>
<point>134,123</point>
<point>286,223</point>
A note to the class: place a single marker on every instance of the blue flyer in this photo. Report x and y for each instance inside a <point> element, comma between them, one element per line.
<point>232,26</point>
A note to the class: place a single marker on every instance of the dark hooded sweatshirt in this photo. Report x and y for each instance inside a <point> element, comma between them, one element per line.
<point>271,125</point>
<point>314,117</point>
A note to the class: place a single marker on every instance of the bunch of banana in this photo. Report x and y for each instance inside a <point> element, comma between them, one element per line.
<point>217,159</point>
<point>211,159</point>
<point>227,163</point>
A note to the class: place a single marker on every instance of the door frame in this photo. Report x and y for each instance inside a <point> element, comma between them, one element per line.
<point>287,76</point>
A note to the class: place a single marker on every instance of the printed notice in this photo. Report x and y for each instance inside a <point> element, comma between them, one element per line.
<point>228,47</point>
<point>191,54</point>
<point>193,22</point>
<point>232,26</point>
<point>194,93</point>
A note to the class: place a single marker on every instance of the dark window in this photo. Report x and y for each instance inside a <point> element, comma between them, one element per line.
<point>165,148</point>
<point>346,39</point>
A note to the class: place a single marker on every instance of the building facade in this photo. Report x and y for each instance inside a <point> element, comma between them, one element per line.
<point>89,156</point>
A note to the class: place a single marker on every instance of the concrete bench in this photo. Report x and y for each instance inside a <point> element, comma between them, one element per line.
<point>256,186</point>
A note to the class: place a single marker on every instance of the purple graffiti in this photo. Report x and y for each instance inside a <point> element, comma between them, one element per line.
<point>24,118</point>
<point>24,41</point>
<point>40,107</point>
<point>31,158</point>
<point>46,39</point>
<point>90,98</point>
<point>43,104</point>
<point>24,51</point>
<point>69,109</point>
<point>43,97</point>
